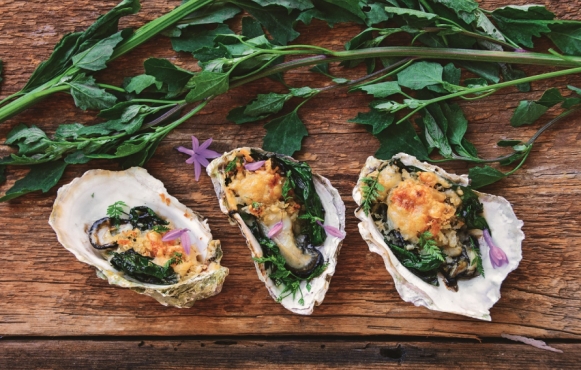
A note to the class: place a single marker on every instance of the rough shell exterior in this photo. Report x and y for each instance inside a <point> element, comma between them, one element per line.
<point>475,296</point>
<point>334,216</point>
<point>86,199</point>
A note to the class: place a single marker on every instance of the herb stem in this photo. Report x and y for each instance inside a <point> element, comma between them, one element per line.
<point>111,87</point>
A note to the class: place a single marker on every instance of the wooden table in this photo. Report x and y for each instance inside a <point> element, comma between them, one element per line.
<point>56,313</point>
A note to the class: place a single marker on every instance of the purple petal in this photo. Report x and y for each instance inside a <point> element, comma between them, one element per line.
<point>205,144</point>
<point>497,255</point>
<point>203,161</point>
<point>277,228</point>
<point>254,165</point>
<point>173,235</point>
<point>191,160</point>
<point>332,230</point>
<point>207,153</point>
<point>185,150</point>
<point>195,143</point>
<point>186,243</point>
<point>197,170</point>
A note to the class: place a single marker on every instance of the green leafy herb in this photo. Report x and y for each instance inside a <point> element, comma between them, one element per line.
<point>160,228</point>
<point>288,186</point>
<point>428,246</point>
<point>143,269</point>
<point>115,211</point>
<point>370,189</point>
<point>419,81</point>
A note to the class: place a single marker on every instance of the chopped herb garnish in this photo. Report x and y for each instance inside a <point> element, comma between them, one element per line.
<point>160,229</point>
<point>370,189</point>
<point>428,246</point>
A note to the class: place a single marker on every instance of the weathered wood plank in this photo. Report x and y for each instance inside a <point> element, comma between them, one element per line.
<point>45,291</point>
<point>285,354</point>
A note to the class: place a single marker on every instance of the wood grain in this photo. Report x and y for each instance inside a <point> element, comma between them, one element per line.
<point>45,291</point>
<point>282,354</point>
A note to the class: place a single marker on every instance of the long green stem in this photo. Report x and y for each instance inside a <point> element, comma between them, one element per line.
<point>140,36</point>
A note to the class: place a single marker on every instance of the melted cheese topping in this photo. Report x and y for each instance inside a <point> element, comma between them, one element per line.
<point>263,186</point>
<point>149,244</point>
<point>414,207</point>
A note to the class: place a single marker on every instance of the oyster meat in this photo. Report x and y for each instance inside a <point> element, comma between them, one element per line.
<point>431,230</point>
<point>134,247</point>
<point>293,222</point>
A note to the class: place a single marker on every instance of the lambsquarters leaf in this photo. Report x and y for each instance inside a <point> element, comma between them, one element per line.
<point>96,57</point>
<point>482,176</point>
<point>139,83</point>
<point>78,42</point>
<point>567,37</point>
<point>163,70</point>
<point>276,19</point>
<point>284,134</point>
<point>288,4</point>
<point>205,84</point>
<point>378,120</point>
<point>420,75</point>
<point>266,104</point>
<point>400,138</point>
<point>382,89</point>
<point>88,95</point>
<point>41,177</point>
<point>329,12</point>
<point>414,18</point>
<point>521,23</point>
<point>528,111</point>
<point>195,38</point>
<point>464,8</point>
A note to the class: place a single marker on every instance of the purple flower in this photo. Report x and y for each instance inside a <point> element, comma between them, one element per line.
<point>179,233</point>
<point>254,165</point>
<point>199,155</point>
<point>497,255</point>
<point>331,230</point>
<point>276,229</point>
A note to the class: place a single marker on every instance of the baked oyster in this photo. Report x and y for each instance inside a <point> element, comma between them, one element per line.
<point>447,247</point>
<point>293,222</point>
<point>150,242</point>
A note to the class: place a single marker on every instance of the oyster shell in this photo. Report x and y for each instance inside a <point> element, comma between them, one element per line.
<point>256,191</point>
<point>474,296</point>
<point>85,200</point>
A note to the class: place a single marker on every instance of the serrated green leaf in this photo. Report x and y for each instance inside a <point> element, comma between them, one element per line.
<point>266,104</point>
<point>414,18</point>
<point>276,19</point>
<point>288,4</point>
<point>378,120</point>
<point>400,138</point>
<point>139,83</point>
<point>41,177</point>
<point>284,134</point>
<point>420,75</point>
<point>457,123</point>
<point>210,14</point>
<point>526,113</point>
<point>87,95</point>
<point>376,13</point>
<point>96,57</point>
<point>482,176</point>
<point>207,54</point>
<point>329,12</point>
<point>196,37</point>
<point>465,9</point>
<point>68,131</point>
<point>78,42</point>
<point>251,28</point>
<point>382,89</point>
<point>205,84</point>
<point>163,70</point>
<point>237,116</point>
<point>521,23</point>
<point>25,135</point>
<point>567,37</point>
<point>435,136</point>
